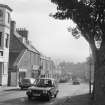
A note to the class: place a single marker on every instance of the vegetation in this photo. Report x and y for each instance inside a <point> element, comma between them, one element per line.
<point>89,16</point>
<point>79,70</point>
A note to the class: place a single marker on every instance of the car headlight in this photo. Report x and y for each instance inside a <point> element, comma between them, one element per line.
<point>29,90</point>
<point>45,91</point>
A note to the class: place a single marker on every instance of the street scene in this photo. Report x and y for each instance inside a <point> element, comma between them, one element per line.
<point>16,96</point>
<point>52,52</point>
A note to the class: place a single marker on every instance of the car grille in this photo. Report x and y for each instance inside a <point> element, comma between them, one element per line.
<point>37,91</point>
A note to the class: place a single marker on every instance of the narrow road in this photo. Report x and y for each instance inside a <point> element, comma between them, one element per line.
<point>18,97</point>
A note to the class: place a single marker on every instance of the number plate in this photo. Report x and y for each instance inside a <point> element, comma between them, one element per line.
<point>36,94</point>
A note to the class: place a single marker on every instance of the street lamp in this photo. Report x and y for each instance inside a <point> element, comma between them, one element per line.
<point>90,77</point>
<point>90,62</point>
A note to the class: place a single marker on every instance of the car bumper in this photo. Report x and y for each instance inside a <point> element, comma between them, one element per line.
<point>36,94</point>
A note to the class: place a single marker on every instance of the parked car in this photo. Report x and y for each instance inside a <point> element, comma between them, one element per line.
<point>26,82</point>
<point>44,87</point>
<point>76,82</point>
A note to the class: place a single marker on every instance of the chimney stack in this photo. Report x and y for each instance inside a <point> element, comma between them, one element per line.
<point>13,26</point>
<point>23,32</point>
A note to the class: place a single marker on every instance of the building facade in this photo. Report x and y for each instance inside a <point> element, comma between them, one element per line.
<point>5,18</point>
<point>24,59</point>
<point>47,67</point>
<point>18,57</point>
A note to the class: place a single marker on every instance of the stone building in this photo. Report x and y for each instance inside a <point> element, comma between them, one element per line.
<point>18,57</point>
<point>5,18</point>
<point>24,59</point>
<point>47,66</point>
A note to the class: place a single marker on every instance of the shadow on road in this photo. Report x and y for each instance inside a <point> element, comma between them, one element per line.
<point>24,101</point>
<point>74,100</point>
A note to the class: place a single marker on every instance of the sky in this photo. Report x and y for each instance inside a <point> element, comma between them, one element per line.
<point>48,35</point>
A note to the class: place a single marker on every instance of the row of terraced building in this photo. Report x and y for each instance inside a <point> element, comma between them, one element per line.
<point>18,57</point>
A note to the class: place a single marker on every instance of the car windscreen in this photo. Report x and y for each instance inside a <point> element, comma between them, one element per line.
<point>25,81</point>
<point>43,83</point>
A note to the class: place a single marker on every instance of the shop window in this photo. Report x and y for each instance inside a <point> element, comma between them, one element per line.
<point>22,75</point>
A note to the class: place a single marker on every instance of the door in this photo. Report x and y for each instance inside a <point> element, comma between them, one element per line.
<point>13,79</point>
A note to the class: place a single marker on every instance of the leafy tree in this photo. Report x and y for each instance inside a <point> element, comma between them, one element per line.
<point>89,16</point>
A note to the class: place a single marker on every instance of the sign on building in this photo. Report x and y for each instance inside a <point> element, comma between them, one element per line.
<point>35,67</point>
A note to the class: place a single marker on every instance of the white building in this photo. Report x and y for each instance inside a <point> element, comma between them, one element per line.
<point>5,19</point>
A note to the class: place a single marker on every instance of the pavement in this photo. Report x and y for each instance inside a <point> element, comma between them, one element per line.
<point>2,88</point>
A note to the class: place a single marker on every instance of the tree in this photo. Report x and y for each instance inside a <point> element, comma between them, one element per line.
<point>89,16</point>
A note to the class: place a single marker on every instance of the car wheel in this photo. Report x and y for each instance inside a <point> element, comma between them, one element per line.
<point>55,95</point>
<point>29,97</point>
<point>21,88</point>
<point>49,97</point>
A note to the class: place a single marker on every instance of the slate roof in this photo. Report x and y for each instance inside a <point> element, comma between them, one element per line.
<point>5,6</point>
<point>28,45</point>
<point>15,39</point>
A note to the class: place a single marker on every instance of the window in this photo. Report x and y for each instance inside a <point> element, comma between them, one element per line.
<point>0,39</point>
<point>8,17</point>
<point>1,13</point>
<point>4,68</point>
<point>1,53</point>
<point>7,41</point>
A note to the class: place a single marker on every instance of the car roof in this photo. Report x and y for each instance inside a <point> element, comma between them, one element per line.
<point>29,78</point>
<point>48,79</point>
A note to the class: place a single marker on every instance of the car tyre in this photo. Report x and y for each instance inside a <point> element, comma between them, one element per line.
<point>21,88</point>
<point>29,97</point>
<point>49,97</point>
<point>55,95</point>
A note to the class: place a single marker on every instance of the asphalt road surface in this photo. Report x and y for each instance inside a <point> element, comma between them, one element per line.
<point>19,97</point>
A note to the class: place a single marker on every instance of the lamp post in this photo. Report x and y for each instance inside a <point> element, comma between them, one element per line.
<point>90,62</point>
<point>90,77</point>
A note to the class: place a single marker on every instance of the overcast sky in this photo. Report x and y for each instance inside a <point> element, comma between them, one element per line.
<point>48,35</point>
